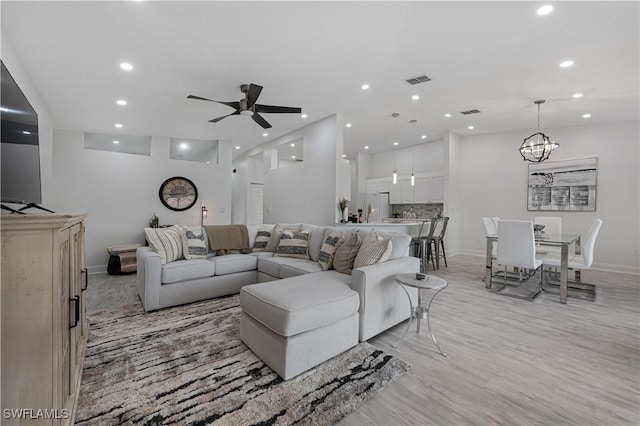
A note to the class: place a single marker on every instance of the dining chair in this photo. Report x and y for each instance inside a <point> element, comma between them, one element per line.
<point>490,229</point>
<point>436,242</point>
<point>517,248</point>
<point>578,262</point>
<point>552,226</point>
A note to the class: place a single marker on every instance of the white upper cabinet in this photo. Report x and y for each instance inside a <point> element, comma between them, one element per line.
<point>421,191</point>
<point>395,193</point>
<point>437,189</point>
<point>407,192</point>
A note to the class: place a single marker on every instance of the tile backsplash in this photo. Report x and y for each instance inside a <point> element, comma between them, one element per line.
<point>423,211</point>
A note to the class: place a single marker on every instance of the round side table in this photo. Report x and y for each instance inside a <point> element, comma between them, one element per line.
<point>420,312</point>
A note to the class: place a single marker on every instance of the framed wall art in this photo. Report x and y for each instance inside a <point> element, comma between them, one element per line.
<point>569,185</point>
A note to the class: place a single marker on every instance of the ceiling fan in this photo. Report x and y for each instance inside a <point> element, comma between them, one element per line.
<point>248,106</point>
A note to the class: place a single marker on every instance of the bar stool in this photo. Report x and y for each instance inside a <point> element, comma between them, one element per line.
<point>437,241</point>
<point>422,244</point>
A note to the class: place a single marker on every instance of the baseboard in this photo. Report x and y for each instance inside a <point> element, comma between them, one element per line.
<point>603,267</point>
<point>97,269</point>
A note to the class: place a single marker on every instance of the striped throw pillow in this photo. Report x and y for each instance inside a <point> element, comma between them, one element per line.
<point>294,244</point>
<point>194,245</point>
<point>166,242</point>
<point>262,238</point>
<point>346,253</point>
<point>373,253</point>
<point>328,250</point>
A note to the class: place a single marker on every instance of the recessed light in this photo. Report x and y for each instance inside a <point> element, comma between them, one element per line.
<point>237,147</point>
<point>208,162</point>
<point>184,146</point>
<point>126,66</point>
<point>566,64</point>
<point>304,116</point>
<point>118,125</point>
<point>265,134</point>
<point>26,132</point>
<point>470,127</point>
<point>395,143</point>
<point>348,124</point>
<point>121,102</point>
<point>423,136</point>
<point>577,95</point>
<point>344,155</point>
<point>586,115</point>
<point>415,97</point>
<point>293,156</point>
<point>365,86</point>
<point>292,144</point>
<point>544,10</point>
<point>366,147</point>
<point>116,142</point>
<point>447,115</point>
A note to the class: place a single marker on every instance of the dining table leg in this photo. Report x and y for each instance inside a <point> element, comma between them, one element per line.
<point>488,263</point>
<point>564,272</point>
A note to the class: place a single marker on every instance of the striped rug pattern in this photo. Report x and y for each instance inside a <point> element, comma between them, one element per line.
<point>186,365</point>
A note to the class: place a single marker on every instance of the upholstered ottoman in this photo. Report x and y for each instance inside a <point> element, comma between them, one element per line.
<point>296,323</point>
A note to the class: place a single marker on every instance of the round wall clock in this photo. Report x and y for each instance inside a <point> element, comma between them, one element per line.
<point>178,193</point>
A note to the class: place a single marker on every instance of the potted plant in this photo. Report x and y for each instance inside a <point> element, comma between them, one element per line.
<point>395,214</point>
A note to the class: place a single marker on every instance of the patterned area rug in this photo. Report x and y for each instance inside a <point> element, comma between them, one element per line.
<point>187,365</point>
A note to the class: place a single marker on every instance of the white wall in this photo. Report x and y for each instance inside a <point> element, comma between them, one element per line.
<point>426,157</point>
<point>45,123</point>
<point>306,191</point>
<point>493,182</point>
<point>120,191</point>
<point>452,199</point>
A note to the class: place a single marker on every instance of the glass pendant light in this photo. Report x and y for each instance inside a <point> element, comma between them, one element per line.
<point>413,179</point>
<point>395,115</point>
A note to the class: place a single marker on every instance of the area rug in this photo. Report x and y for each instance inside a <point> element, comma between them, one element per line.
<point>188,366</point>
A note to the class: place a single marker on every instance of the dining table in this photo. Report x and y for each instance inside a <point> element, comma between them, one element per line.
<point>563,240</point>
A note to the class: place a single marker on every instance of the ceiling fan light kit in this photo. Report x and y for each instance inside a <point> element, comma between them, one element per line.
<point>537,147</point>
<point>249,107</point>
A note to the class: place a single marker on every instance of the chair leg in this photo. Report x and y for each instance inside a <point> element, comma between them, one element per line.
<point>444,255</point>
<point>437,249</point>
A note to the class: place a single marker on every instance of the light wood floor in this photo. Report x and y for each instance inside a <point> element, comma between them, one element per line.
<point>509,361</point>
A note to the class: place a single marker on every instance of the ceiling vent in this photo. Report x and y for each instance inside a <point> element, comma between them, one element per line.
<point>471,111</point>
<point>418,79</point>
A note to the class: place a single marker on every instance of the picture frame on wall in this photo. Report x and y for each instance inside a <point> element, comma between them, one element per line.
<point>568,185</point>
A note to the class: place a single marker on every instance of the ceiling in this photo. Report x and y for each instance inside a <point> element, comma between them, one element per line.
<point>498,57</point>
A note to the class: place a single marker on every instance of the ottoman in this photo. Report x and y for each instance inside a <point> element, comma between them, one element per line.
<point>296,323</point>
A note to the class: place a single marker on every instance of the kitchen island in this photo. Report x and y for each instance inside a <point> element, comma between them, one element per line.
<point>412,227</point>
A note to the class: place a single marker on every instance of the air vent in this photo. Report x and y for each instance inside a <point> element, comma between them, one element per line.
<point>418,79</point>
<point>471,111</point>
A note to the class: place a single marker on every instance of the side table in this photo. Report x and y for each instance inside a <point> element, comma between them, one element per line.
<point>420,312</point>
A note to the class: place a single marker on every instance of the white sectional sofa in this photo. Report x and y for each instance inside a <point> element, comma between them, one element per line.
<point>381,302</point>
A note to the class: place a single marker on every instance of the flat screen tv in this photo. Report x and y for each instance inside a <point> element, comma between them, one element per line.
<point>19,147</point>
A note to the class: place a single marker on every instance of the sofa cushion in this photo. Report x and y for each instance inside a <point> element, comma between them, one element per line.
<point>346,253</point>
<point>194,244</point>
<point>399,242</point>
<point>260,254</point>
<point>232,263</point>
<point>166,242</point>
<point>294,244</point>
<point>300,267</point>
<point>295,305</point>
<point>315,240</point>
<point>328,250</point>
<point>272,265</point>
<point>185,270</point>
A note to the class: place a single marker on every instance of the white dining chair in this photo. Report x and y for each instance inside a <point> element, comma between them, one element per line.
<point>517,248</point>
<point>552,226</point>
<point>578,262</point>
<point>490,229</point>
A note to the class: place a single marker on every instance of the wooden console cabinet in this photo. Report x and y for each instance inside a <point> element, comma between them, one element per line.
<point>44,326</point>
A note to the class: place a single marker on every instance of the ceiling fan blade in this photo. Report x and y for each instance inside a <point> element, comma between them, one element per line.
<point>215,120</point>
<point>235,105</point>
<point>277,109</point>
<point>252,94</point>
<point>261,121</point>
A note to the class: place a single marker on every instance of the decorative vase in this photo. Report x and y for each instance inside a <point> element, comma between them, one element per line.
<point>345,214</point>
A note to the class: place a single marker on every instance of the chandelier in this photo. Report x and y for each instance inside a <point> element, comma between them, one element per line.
<point>537,147</point>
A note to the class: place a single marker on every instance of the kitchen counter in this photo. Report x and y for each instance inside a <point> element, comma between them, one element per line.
<point>412,228</point>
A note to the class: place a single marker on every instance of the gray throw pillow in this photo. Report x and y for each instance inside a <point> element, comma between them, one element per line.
<point>274,239</point>
<point>346,253</point>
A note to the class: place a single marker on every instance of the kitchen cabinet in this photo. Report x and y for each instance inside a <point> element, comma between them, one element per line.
<point>421,191</point>
<point>407,194</point>
<point>436,189</point>
<point>395,193</point>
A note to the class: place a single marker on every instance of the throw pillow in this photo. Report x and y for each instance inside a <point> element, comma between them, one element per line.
<point>328,250</point>
<point>373,253</point>
<point>294,244</point>
<point>274,239</point>
<point>346,253</point>
<point>262,238</point>
<point>166,242</point>
<point>194,245</point>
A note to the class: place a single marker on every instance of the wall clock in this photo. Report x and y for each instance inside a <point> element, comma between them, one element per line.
<point>178,193</point>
